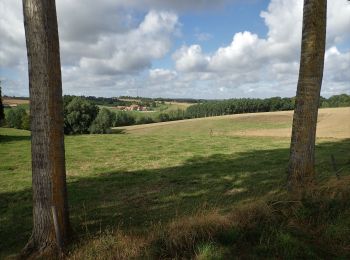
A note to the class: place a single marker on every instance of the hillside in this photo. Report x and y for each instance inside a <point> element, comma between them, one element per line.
<point>189,189</point>
<point>332,123</point>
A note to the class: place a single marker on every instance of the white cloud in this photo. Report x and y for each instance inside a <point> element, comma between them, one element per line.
<point>269,66</point>
<point>190,59</point>
<point>12,43</point>
<point>161,75</point>
<point>240,55</point>
<point>108,48</point>
<point>134,50</point>
<point>98,41</point>
<point>337,66</point>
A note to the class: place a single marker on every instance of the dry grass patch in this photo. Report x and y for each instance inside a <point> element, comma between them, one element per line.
<point>110,245</point>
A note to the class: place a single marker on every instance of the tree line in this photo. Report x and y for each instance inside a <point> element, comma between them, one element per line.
<point>161,99</point>
<point>252,105</point>
<point>82,114</point>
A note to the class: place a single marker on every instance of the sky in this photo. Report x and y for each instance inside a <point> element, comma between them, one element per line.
<point>179,49</point>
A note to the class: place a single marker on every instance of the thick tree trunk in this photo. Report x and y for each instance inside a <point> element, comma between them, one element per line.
<point>301,170</point>
<point>2,115</point>
<point>46,110</point>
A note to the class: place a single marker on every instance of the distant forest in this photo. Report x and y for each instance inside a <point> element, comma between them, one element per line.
<point>19,118</point>
<point>252,105</point>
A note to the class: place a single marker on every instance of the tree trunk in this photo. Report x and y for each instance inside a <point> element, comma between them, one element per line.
<point>46,110</point>
<point>2,114</point>
<point>301,170</point>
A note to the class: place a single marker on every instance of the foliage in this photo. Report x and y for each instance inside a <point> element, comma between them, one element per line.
<point>26,122</point>
<point>162,117</point>
<point>124,119</point>
<point>145,120</point>
<point>172,115</point>
<point>101,101</point>
<point>253,105</point>
<point>79,114</point>
<point>163,100</point>
<point>342,100</point>
<point>103,122</point>
<point>17,118</point>
<point>238,106</point>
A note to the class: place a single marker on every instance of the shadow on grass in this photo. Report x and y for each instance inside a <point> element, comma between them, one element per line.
<point>138,199</point>
<point>13,138</point>
<point>117,131</point>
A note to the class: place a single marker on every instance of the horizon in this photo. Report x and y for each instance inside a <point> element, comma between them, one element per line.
<point>182,49</point>
<point>170,98</point>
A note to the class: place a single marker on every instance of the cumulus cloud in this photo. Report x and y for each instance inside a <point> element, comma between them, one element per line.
<point>190,59</point>
<point>109,47</point>
<point>100,41</point>
<point>134,50</point>
<point>250,65</point>
<point>12,44</point>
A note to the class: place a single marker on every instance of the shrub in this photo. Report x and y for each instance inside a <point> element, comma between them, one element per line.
<point>103,122</point>
<point>17,118</point>
<point>162,117</point>
<point>145,120</point>
<point>79,114</point>
<point>124,119</point>
<point>26,122</point>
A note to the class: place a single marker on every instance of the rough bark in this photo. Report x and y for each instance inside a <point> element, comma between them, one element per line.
<point>47,142</point>
<point>301,170</point>
<point>2,115</point>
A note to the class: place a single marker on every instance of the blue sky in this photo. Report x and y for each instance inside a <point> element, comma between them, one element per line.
<point>184,48</point>
<point>217,26</point>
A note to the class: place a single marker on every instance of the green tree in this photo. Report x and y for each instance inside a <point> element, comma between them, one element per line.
<point>301,169</point>
<point>124,119</point>
<point>103,122</point>
<point>145,120</point>
<point>79,114</point>
<point>25,122</point>
<point>15,117</point>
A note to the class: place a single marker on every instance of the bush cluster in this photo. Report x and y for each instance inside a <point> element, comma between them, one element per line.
<point>17,118</point>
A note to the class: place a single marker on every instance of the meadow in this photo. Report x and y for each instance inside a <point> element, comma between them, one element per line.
<point>173,190</point>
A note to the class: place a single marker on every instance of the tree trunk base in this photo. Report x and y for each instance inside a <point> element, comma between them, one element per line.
<point>45,251</point>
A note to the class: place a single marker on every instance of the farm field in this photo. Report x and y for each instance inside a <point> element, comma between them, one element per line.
<point>24,103</point>
<point>331,123</point>
<point>144,177</point>
<point>11,101</point>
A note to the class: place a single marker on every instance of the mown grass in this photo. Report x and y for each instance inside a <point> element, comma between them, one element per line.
<point>139,187</point>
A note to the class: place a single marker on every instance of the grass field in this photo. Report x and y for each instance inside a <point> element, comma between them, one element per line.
<point>148,178</point>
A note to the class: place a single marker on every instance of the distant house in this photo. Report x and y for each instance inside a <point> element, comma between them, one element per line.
<point>132,108</point>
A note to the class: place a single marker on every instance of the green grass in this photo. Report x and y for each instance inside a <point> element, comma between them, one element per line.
<point>136,180</point>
